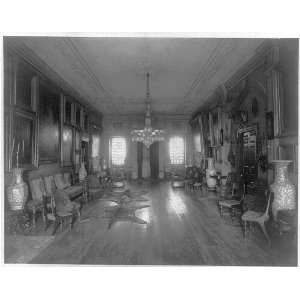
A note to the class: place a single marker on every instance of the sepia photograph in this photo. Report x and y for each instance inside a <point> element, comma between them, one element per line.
<point>150,150</point>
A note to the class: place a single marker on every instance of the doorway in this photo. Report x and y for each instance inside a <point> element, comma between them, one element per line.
<point>248,154</point>
<point>154,160</point>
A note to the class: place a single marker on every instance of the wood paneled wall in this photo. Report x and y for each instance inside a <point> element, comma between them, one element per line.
<point>36,116</point>
<point>271,77</point>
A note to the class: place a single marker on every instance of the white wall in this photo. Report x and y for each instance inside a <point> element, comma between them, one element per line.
<point>122,126</point>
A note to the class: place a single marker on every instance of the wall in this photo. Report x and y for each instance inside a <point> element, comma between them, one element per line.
<point>271,77</point>
<point>15,92</point>
<point>122,126</point>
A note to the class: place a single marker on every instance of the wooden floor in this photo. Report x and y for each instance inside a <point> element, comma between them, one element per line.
<point>181,229</point>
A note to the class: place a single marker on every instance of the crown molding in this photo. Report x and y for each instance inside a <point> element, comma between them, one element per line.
<point>16,46</point>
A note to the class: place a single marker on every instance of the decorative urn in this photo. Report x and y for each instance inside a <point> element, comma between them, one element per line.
<point>284,190</point>
<point>17,191</point>
<point>211,171</point>
<point>82,172</point>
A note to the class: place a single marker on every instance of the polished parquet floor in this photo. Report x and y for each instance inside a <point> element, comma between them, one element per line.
<point>182,229</point>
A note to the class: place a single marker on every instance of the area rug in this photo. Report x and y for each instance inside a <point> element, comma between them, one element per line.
<point>125,207</point>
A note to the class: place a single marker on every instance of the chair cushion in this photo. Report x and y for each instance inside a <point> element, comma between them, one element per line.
<point>49,185</point>
<point>63,203</point>
<point>229,203</point>
<point>60,181</point>
<point>74,190</point>
<point>251,215</point>
<point>38,190</point>
<point>33,204</point>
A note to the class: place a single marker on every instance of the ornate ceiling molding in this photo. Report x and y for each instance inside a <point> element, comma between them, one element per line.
<point>18,47</point>
<point>85,66</point>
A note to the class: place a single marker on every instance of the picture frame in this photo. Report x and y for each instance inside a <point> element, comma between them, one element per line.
<point>214,126</point>
<point>68,108</point>
<point>22,129</point>
<point>48,124</point>
<point>67,146</point>
<point>25,81</point>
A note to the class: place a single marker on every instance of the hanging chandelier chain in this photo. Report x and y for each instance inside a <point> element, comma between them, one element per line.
<point>147,135</point>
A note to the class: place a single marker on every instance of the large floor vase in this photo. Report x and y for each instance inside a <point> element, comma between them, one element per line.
<point>210,171</point>
<point>284,190</point>
<point>17,191</point>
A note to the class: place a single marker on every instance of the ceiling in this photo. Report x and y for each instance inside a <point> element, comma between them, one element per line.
<point>110,73</point>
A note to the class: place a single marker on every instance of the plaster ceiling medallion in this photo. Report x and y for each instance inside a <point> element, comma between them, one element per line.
<point>147,135</point>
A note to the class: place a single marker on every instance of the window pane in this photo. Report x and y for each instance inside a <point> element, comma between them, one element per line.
<point>176,150</point>
<point>95,145</point>
<point>118,151</point>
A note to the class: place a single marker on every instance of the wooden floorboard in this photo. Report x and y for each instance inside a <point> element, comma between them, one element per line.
<point>182,229</point>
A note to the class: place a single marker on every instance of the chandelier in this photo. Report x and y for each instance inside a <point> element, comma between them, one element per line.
<point>147,135</point>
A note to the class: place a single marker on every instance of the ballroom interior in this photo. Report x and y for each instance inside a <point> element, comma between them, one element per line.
<point>150,150</point>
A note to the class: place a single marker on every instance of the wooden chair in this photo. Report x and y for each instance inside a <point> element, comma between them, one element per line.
<point>60,209</point>
<point>232,203</point>
<point>260,218</point>
<point>73,191</point>
<point>50,185</point>
<point>38,192</point>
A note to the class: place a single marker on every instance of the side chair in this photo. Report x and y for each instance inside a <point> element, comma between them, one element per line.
<point>260,218</point>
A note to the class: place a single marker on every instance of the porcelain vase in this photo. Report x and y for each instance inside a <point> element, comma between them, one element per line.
<point>82,172</point>
<point>284,190</point>
<point>17,191</point>
<point>211,171</point>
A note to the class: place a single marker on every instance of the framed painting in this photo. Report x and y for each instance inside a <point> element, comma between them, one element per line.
<point>49,133</point>
<point>24,78</point>
<point>23,140</point>
<point>77,151</point>
<point>78,115</point>
<point>67,145</point>
<point>68,110</point>
<point>214,127</point>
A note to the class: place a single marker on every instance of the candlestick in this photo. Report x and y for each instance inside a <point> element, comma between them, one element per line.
<point>12,149</point>
<point>17,155</point>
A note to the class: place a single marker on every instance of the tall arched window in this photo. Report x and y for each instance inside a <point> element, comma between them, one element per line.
<point>176,150</point>
<point>118,151</point>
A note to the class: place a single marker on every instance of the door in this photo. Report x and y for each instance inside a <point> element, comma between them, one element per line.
<point>248,159</point>
<point>154,160</point>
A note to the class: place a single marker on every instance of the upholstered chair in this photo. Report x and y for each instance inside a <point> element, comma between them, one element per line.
<point>62,210</point>
<point>38,192</point>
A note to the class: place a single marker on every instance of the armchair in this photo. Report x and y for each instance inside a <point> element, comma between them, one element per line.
<point>38,192</point>
<point>60,209</point>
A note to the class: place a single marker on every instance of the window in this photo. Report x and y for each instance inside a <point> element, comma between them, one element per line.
<point>197,142</point>
<point>176,149</point>
<point>95,145</point>
<point>118,151</point>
